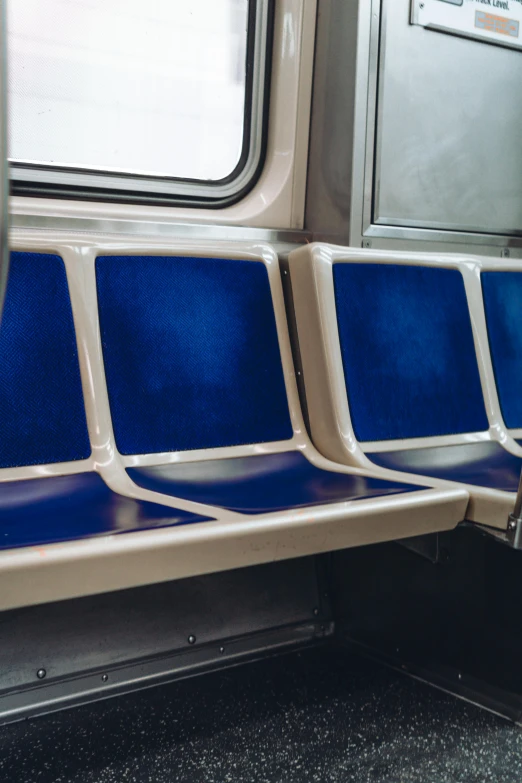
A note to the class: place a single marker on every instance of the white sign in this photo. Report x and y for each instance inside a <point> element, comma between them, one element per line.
<point>497,21</point>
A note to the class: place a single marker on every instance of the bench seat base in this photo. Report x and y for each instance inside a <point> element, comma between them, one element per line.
<point>483,464</point>
<point>262,483</point>
<point>36,512</point>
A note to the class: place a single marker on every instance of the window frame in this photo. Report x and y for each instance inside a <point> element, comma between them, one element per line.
<point>84,183</point>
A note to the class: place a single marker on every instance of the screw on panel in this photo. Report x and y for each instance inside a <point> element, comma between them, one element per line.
<point>316,611</point>
<point>421,5</point>
<point>367,243</point>
<point>221,650</point>
<point>105,677</point>
<point>505,252</point>
<point>460,676</point>
<point>192,639</point>
<point>41,674</point>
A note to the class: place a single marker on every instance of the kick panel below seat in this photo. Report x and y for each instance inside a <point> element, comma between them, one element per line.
<point>484,464</point>
<point>263,483</point>
<point>37,512</point>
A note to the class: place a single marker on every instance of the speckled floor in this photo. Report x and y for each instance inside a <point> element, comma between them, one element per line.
<point>315,716</point>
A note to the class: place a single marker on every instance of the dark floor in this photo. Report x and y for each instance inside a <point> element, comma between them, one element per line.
<point>320,715</point>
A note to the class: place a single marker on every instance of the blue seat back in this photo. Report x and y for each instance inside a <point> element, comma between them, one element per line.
<point>502,292</point>
<point>191,353</point>
<point>408,353</point>
<point>42,416</point>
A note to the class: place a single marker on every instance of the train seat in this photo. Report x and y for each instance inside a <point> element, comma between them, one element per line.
<point>502,295</point>
<point>154,395</point>
<point>49,492</point>
<point>391,374</point>
<point>199,393</point>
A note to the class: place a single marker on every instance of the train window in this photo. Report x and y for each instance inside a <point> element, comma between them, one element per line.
<point>161,99</point>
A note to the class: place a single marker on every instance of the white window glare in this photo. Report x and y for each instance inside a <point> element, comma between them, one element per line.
<point>154,88</point>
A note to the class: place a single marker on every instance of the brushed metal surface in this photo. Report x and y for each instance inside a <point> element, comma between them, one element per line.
<point>72,651</point>
<point>82,634</point>
<point>448,146</point>
<point>157,229</point>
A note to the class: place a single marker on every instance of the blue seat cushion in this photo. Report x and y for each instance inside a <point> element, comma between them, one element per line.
<point>502,293</point>
<point>484,464</point>
<point>42,416</point>
<point>35,512</point>
<point>407,350</point>
<point>262,483</point>
<point>191,353</point>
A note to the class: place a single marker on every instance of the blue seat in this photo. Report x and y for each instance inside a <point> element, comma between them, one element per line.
<point>502,293</point>
<point>191,353</point>
<point>261,484</point>
<point>192,361</point>
<point>483,464</point>
<point>391,372</point>
<point>408,353</point>
<point>411,371</point>
<point>42,416</point>
<point>42,421</point>
<point>54,509</point>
